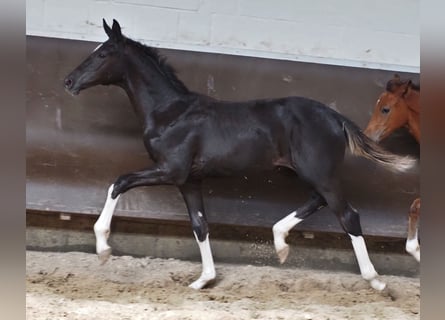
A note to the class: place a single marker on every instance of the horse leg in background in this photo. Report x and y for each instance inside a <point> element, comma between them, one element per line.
<point>412,242</point>
<point>281,228</point>
<point>350,222</point>
<point>102,226</point>
<point>191,191</point>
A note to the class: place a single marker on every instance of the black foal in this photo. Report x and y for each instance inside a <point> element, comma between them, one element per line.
<point>190,136</point>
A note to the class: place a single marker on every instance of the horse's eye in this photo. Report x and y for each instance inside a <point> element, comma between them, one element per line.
<point>102,55</point>
<point>385,110</point>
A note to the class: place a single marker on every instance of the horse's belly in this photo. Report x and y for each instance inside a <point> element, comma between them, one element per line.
<point>240,159</point>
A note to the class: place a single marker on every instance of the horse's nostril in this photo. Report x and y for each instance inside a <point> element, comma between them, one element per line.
<point>68,83</point>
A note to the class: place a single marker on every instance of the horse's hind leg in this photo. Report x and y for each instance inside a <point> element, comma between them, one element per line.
<point>350,222</point>
<point>412,242</point>
<point>102,226</point>
<point>191,191</point>
<point>281,228</point>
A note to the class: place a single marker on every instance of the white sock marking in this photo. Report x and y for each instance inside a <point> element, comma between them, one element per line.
<point>100,45</point>
<point>102,225</point>
<point>281,230</point>
<point>366,267</point>
<point>413,247</point>
<point>208,268</point>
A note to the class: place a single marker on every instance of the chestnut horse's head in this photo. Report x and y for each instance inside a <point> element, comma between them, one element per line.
<point>391,110</point>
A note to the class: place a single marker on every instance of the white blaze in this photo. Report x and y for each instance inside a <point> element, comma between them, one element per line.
<point>100,45</point>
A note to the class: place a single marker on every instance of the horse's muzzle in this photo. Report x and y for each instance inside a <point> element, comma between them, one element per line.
<point>374,134</point>
<point>69,86</point>
<point>68,83</point>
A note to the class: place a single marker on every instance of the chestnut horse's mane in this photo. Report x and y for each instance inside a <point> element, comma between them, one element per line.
<point>395,82</point>
<point>415,86</point>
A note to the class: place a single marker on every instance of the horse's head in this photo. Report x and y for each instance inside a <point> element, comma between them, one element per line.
<point>391,110</point>
<point>103,66</point>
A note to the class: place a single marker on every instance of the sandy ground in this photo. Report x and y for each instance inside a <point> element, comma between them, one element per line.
<point>75,286</point>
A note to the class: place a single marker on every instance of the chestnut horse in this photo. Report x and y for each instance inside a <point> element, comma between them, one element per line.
<point>399,106</point>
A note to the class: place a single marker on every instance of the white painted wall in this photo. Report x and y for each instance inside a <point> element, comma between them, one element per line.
<point>381,34</point>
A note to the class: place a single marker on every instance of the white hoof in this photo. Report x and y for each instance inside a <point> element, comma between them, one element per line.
<point>202,282</point>
<point>416,255</point>
<point>377,284</point>
<point>104,255</point>
<point>102,248</point>
<point>413,248</point>
<point>198,284</point>
<point>282,252</point>
<point>280,231</point>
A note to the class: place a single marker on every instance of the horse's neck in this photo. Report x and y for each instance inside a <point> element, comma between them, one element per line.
<point>148,90</point>
<point>413,103</point>
<point>414,128</point>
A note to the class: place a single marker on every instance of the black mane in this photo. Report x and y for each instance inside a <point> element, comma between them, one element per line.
<point>167,70</point>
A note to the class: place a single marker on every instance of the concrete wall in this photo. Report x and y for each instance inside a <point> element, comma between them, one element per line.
<point>378,34</point>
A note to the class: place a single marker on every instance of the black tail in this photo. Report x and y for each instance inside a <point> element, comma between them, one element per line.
<point>361,145</point>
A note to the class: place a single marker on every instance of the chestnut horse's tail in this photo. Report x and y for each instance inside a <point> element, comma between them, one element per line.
<point>361,145</point>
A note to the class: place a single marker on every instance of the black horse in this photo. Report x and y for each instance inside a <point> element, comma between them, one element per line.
<point>190,136</point>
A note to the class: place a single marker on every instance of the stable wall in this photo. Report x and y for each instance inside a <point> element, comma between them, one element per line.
<point>376,34</point>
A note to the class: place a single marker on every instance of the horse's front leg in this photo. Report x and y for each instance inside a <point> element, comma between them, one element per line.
<point>153,176</point>
<point>412,241</point>
<point>102,226</point>
<point>191,191</point>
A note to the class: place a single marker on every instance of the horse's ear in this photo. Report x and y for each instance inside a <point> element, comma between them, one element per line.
<point>400,89</point>
<point>407,87</point>
<point>116,30</point>
<point>107,29</point>
<point>395,84</point>
<point>391,86</point>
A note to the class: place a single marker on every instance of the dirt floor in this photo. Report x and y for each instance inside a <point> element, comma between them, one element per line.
<point>75,286</point>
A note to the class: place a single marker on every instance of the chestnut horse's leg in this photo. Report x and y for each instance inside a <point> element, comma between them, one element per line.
<point>281,228</point>
<point>191,191</point>
<point>412,242</point>
<point>102,226</point>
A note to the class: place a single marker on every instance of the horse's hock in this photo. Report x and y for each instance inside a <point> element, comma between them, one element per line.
<point>77,146</point>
